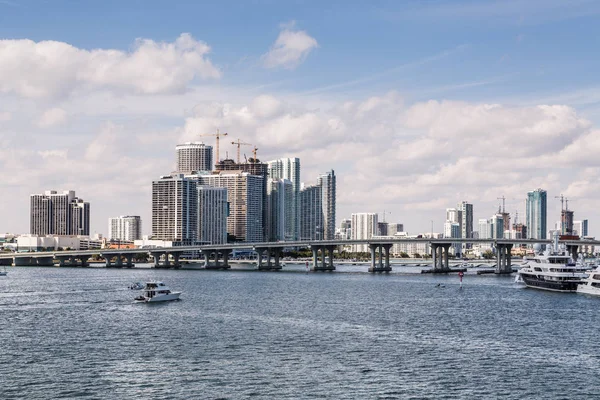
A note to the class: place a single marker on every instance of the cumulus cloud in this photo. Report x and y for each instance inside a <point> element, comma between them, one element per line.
<point>51,68</point>
<point>52,117</point>
<point>290,49</point>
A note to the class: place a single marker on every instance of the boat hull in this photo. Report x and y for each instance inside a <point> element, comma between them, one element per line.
<point>587,289</point>
<point>553,286</point>
<point>157,299</point>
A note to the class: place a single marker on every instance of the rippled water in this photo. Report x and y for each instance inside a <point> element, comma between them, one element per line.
<point>75,333</point>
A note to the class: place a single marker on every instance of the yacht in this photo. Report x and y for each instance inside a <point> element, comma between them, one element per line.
<point>155,292</point>
<point>591,285</point>
<point>553,270</point>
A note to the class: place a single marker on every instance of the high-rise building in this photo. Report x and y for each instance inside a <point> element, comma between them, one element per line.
<point>382,229</point>
<point>394,228</point>
<point>452,230</point>
<point>536,214</point>
<point>345,232</point>
<point>484,229</point>
<point>581,228</point>
<point>566,225</point>
<point>280,210</point>
<point>364,226</point>
<point>327,182</point>
<point>497,226</point>
<point>520,231</point>
<point>127,227</point>
<point>245,197</point>
<point>453,215</point>
<point>193,157</point>
<point>311,213</point>
<point>252,167</point>
<point>289,168</point>
<point>212,214</point>
<point>465,211</point>
<point>54,213</point>
<point>175,209</point>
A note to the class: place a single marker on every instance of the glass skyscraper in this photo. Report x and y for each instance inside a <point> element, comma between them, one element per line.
<point>537,214</point>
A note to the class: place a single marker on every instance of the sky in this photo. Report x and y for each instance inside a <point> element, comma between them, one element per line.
<point>416,105</point>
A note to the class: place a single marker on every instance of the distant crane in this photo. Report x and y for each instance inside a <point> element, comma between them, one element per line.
<point>239,144</point>
<point>217,135</point>
<point>562,202</point>
<point>254,160</point>
<point>503,202</point>
<point>384,213</point>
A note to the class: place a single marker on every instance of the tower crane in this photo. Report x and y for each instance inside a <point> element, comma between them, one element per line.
<point>562,202</point>
<point>217,135</point>
<point>239,144</point>
<point>255,160</point>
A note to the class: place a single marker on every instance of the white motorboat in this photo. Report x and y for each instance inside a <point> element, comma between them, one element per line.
<point>155,292</point>
<point>137,286</point>
<point>591,284</point>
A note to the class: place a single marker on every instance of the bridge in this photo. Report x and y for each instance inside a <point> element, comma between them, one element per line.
<point>269,253</point>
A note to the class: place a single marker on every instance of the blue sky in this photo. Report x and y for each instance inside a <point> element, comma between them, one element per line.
<point>415,94</point>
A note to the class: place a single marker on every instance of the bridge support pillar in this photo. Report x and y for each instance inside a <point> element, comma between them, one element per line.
<point>503,258</point>
<point>107,259</point>
<point>206,254</point>
<point>129,260</point>
<point>446,248</point>
<point>378,265</point>
<point>330,252</point>
<point>440,253</point>
<point>84,261</point>
<point>119,261</point>
<point>323,266</point>
<point>176,263</point>
<point>62,260</point>
<point>156,257</point>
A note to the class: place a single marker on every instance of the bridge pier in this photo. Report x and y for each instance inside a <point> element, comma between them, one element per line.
<point>380,266</point>
<point>44,261</point>
<point>273,256</point>
<point>439,254</point>
<point>503,258</point>
<point>84,260</point>
<point>323,266</point>
<point>119,261</point>
<point>129,260</point>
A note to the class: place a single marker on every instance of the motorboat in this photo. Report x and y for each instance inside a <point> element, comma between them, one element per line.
<point>553,270</point>
<point>591,284</point>
<point>155,292</point>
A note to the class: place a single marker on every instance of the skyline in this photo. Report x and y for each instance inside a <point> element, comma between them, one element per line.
<point>413,120</point>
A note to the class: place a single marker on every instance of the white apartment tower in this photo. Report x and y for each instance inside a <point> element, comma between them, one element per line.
<point>289,168</point>
<point>194,156</point>
<point>327,182</point>
<point>212,214</point>
<point>54,213</point>
<point>311,213</point>
<point>175,209</point>
<point>245,197</point>
<point>364,226</point>
<point>127,227</point>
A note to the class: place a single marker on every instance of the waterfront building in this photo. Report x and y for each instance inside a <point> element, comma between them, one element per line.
<point>345,230</point>
<point>194,157</point>
<point>245,197</point>
<point>453,215</point>
<point>128,227</point>
<point>452,230</point>
<point>536,214</point>
<point>213,210</point>
<point>581,228</point>
<point>393,228</point>
<point>252,167</point>
<point>465,211</point>
<point>311,213</point>
<point>497,226</point>
<point>382,229</point>
<point>54,213</point>
<point>364,226</point>
<point>484,229</point>
<point>289,168</point>
<point>327,182</point>
<point>280,210</point>
<point>175,209</point>
<point>566,222</point>
<point>520,231</point>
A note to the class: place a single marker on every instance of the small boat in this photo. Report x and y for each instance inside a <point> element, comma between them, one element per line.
<point>591,284</point>
<point>155,292</point>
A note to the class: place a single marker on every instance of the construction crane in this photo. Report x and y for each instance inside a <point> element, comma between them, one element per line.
<point>503,202</point>
<point>217,135</point>
<point>255,160</point>
<point>239,144</point>
<point>384,213</point>
<point>562,202</point>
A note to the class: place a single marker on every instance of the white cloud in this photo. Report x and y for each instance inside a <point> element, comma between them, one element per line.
<point>51,69</point>
<point>290,49</point>
<point>5,116</point>
<point>52,117</point>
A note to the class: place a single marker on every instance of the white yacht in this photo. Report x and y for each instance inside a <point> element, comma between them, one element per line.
<point>155,292</point>
<point>553,270</point>
<point>591,285</point>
